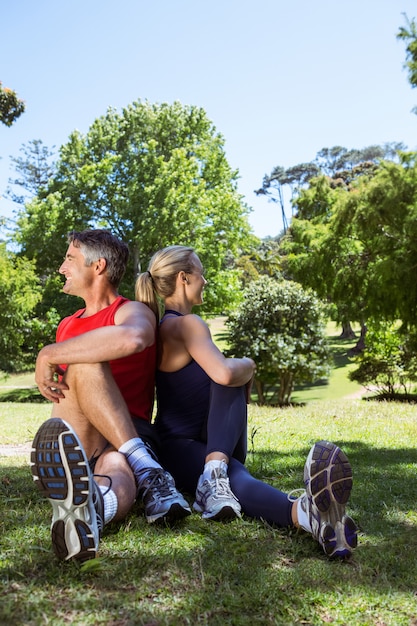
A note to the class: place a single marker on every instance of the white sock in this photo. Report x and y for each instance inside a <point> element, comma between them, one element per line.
<point>138,455</point>
<point>110,503</point>
<point>210,466</point>
<point>303,519</point>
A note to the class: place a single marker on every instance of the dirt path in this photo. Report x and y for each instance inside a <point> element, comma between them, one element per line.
<point>16,450</point>
<point>363,391</point>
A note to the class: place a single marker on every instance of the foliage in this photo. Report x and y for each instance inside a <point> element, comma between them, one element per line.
<point>387,365</point>
<point>34,170</point>
<point>281,326</point>
<point>262,260</point>
<point>11,107</point>
<point>338,163</point>
<point>378,220</point>
<point>355,244</point>
<point>19,293</point>
<point>154,175</point>
<point>408,34</point>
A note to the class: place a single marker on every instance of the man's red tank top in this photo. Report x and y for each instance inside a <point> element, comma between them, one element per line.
<point>134,375</point>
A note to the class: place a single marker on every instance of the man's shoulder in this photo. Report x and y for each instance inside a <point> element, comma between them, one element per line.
<point>129,308</point>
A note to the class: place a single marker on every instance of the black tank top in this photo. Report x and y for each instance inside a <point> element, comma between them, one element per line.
<point>183,399</point>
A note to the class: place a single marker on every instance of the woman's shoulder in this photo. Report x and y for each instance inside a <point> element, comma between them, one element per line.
<point>191,320</point>
<point>183,326</point>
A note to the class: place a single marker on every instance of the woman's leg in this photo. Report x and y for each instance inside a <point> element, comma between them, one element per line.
<point>226,428</point>
<point>184,459</point>
<point>258,499</point>
<point>227,422</point>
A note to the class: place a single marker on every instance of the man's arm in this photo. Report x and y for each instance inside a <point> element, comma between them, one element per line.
<point>134,330</point>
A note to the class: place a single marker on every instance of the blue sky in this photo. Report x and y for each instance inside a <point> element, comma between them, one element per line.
<point>279,79</point>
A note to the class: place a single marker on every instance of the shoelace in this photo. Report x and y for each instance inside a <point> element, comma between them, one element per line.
<point>222,485</point>
<point>291,496</point>
<point>158,479</point>
<point>99,505</point>
<point>108,478</point>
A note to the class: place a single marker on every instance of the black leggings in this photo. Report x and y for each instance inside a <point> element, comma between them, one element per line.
<point>226,431</point>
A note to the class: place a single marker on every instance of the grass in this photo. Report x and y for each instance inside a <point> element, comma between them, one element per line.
<point>241,573</point>
<point>338,385</point>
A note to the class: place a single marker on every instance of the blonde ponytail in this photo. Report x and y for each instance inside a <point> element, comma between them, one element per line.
<point>145,292</point>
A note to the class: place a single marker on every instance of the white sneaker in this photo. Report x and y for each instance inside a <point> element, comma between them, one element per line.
<point>214,498</point>
<point>328,482</point>
<point>61,471</point>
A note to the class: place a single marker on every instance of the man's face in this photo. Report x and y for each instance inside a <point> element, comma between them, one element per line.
<point>78,277</point>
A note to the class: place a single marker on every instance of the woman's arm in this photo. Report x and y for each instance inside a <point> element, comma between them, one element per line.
<point>197,340</point>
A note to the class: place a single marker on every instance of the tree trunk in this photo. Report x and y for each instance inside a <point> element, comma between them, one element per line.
<point>260,391</point>
<point>360,344</point>
<point>347,331</point>
<point>285,388</point>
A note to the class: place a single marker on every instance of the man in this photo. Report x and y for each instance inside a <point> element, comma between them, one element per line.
<point>100,376</point>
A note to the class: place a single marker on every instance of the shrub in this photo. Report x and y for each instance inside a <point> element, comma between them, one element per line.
<point>281,326</point>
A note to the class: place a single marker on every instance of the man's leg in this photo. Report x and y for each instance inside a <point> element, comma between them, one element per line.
<point>94,407</point>
<point>117,484</point>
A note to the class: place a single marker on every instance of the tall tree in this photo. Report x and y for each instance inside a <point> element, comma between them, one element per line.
<point>154,175</point>
<point>408,33</point>
<point>33,171</point>
<point>339,163</point>
<point>355,244</point>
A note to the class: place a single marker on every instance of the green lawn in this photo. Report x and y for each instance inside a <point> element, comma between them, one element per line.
<point>244,572</point>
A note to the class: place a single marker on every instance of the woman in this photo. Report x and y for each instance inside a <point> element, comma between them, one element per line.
<point>202,413</point>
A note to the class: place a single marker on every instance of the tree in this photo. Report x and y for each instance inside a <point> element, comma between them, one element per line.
<point>11,107</point>
<point>408,34</point>
<point>338,163</point>
<point>34,170</point>
<point>313,255</point>
<point>387,365</point>
<point>355,244</point>
<point>262,259</point>
<point>154,175</point>
<point>295,176</point>
<point>281,327</point>
<point>380,218</point>
<point>20,291</point>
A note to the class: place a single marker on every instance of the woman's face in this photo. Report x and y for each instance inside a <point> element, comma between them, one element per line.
<point>196,281</point>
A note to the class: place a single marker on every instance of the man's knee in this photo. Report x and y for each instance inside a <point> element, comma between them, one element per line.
<point>85,372</point>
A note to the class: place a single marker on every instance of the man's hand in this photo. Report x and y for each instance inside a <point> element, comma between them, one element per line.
<point>45,378</point>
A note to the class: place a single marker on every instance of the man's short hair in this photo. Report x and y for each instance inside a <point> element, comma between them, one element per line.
<point>101,244</point>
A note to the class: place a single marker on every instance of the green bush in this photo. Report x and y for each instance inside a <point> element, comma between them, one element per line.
<point>388,362</point>
<point>281,326</point>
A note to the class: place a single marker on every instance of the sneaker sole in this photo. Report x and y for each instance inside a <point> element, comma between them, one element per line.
<point>175,513</point>
<point>62,474</point>
<point>225,514</point>
<point>329,479</point>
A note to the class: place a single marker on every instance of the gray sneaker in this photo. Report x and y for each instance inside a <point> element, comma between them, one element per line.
<point>328,482</point>
<point>61,472</point>
<point>161,499</point>
<point>215,499</point>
